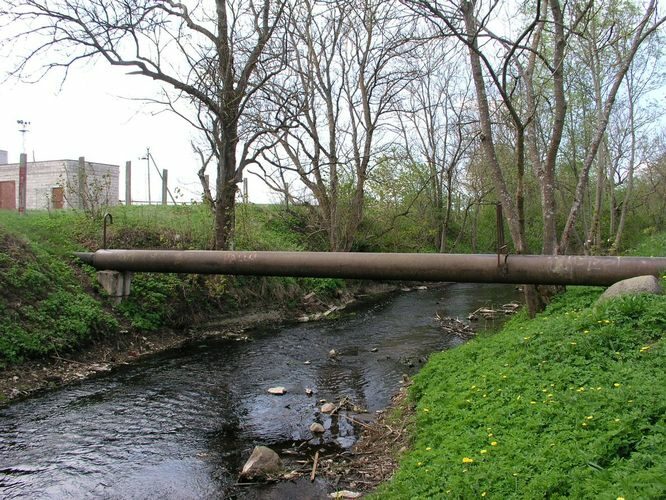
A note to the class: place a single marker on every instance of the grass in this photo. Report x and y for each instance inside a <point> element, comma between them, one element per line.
<point>51,303</point>
<point>44,308</point>
<point>570,404</point>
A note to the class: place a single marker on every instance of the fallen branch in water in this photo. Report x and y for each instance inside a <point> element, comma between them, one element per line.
<point>314,466</point>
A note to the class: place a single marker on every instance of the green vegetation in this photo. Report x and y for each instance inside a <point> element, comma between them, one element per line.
<point>570,404</point>
<point>51,303</point>
<point>43,306</point>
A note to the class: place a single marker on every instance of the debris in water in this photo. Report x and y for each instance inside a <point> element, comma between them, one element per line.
<point>454,326</point>
<point>489,313</point>
<point>279,391</point>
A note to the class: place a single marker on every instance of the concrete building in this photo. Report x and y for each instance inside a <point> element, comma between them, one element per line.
<point>55,184</point>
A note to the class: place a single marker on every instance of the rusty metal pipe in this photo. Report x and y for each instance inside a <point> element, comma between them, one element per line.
<point>518,269</point>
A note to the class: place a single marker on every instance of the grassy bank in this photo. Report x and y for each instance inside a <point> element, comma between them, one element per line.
<point>44,307</point>
<point>51,304</point>
<point>570,404</point>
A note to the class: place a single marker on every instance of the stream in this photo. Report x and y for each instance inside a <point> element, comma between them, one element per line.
<point>181,424</point>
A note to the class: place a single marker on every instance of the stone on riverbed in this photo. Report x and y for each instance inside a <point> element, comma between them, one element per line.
<point>328,408</point>
<point>278,391</point>
<point>345,494</point>
<point>317,428</point>
<point>263,462</point>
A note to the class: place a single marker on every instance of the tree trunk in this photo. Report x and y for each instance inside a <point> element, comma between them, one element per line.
<point>615,248</point>
<point>225,209</point>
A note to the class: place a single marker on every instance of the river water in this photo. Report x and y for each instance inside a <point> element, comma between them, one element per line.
<point>180,425</point>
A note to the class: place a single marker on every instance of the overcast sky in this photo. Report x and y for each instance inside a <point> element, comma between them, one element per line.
<point>90,116</point>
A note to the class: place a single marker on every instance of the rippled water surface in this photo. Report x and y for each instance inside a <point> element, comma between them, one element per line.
<point>180,425</point>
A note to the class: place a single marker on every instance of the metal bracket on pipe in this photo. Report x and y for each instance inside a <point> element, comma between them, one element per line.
<point>110,218</point>
<point>502,247</point>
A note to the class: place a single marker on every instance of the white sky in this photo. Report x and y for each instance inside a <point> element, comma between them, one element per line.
<point>90,116</point>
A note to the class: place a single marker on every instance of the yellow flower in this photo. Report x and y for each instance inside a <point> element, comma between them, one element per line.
<point>428,448</point>
<point>419,464</point>
<point>483,494</point>
<point>493,443</point>
<point>572,343</point>
<point>532,402</point>
<point>620,498</point>
<point>526,338</point>
<point>580,389</point>
<point>586,331</point>
<point>590,417</point>
<point>426,410</point>
<point>490,435</point>
<point>483,452</point>
<point>584,424</point>
<point>616,420</point>
<point>616,384</point>
<point>467,460</point>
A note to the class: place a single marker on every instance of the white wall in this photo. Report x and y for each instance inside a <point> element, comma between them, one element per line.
<point>43,176</point>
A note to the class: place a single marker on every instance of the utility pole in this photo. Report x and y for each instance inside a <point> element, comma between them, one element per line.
<point>147,158</point>
<point>23,128</point>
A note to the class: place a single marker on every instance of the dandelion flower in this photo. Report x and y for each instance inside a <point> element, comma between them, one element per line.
<point>493,443</point>
<point>616,384</point>
<point>483,494</point>
<point>428,448</point>
<point>483,452</point>
<point>426,410</point>
<point>467,460</point>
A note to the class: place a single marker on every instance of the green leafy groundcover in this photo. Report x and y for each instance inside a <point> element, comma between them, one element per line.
<point>570,404</point>
<point>43,307</point>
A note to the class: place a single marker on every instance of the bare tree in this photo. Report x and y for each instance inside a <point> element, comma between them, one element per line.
<point>437,128</point>
<point>346,62</point>
<point>646,24</point>
<point>212,61</point>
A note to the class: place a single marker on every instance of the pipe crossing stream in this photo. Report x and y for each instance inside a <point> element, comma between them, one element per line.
<point>462,268</point>
<point>180,425</point>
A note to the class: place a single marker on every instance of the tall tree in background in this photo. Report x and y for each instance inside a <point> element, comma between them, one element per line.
<point>213,58</point>
<point>504,66</point>
<point>438,127</point>
<point>347,64</point>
